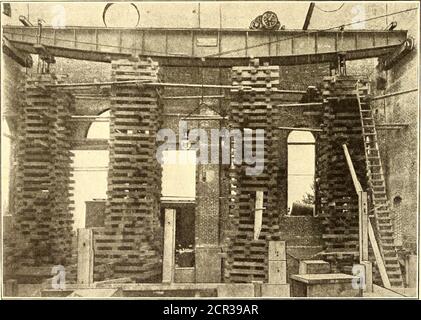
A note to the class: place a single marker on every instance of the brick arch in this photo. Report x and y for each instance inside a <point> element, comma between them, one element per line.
<point>89,125</point>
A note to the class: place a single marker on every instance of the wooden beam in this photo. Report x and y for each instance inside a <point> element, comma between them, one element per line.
<point>378,256</point>
<point>258,214</point>
<point>362,208</point>
<point>391,126</point>
<point>300,129</point>
<point>357,184</point>
<point>89,144</point>
<point>151,84</point>
<point>366,232</point>
<point>309,104</point>
<point>194,97</point>
<point>168,263</point>
<point>85,257</point>
<point>385,96</point>
<point>363,223</point>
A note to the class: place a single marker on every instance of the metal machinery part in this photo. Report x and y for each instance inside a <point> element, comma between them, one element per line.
<point>267,21</point>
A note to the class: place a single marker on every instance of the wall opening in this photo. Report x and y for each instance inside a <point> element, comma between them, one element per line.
<point>90,170</point>
<point>301,171</point>
<point>179,175</point>
<point>397,220</point>
<point>179,193</point>
<point>397,201</point>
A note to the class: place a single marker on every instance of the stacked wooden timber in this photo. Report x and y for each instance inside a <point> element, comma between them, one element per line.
<point>43,203</point>
<point>348,119</point>
<point>247,259</point>
<point>130,243</point>
<point>338,198</point>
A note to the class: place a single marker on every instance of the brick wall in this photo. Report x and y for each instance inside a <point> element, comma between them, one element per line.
<point>399,147</point>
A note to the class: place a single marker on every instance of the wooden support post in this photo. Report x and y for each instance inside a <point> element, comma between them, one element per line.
<point>277,263</point>
<point>363,222</point>
<point>368,275</point>
<point>366,233</point>
<point>169,246</point>
<point>258,214</point>
<point>85,257</point>
<point>378,256</point>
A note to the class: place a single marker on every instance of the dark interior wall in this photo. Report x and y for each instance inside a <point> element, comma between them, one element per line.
<point>399,147</point>
<point>12,76</point>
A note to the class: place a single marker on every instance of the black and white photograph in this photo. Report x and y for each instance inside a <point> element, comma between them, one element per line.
<point>210,150</point>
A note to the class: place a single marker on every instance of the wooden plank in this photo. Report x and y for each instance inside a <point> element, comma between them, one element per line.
<point>85,257</point>
<point>169,246</point>
<point>368,268</point>
<point>378,256</point>
<point>363,223</point>
<point>357,184</point>
<point>258,214</point>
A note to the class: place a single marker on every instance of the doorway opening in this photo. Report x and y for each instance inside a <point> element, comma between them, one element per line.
<point>301,172</point>
<point>178,213</point>
<point>90,171</point>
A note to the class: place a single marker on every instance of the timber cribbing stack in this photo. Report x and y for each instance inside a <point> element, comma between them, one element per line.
<point>338,198</point>
<point>43,203</point>
<point>247,259</point>
<point>130,242</point>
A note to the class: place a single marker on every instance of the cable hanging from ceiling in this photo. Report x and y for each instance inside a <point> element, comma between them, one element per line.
<point>329,11</point>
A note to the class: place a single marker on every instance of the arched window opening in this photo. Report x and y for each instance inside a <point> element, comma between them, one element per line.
<point>100,129</point>
<point>90,170</point>
<point>301,169</point>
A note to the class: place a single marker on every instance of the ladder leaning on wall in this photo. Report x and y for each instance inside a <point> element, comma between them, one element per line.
<point>376,182</point>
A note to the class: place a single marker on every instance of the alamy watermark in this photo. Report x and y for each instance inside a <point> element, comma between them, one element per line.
<point>359,282</point>
<point>225,146</point>
<point>58,281</point>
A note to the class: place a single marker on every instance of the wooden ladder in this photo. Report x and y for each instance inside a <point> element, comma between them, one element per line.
<point>376,182</point>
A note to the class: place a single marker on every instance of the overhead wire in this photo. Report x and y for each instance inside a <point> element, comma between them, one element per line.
<point>306,33</point>
<point>329,11</point>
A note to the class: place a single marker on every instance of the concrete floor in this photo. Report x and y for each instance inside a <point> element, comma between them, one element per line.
<point>380,292</point>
